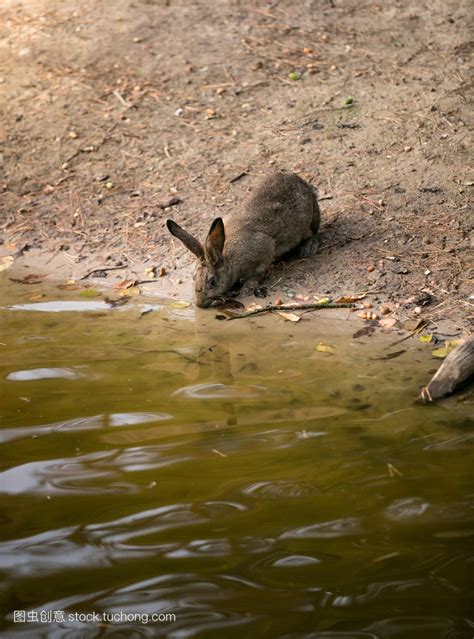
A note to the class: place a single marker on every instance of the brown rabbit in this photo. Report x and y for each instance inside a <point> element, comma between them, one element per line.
<point>279,215</point>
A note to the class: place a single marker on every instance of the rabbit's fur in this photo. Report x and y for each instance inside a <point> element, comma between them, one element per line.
<point>279,215</point>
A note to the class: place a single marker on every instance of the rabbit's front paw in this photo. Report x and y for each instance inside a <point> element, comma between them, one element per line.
<point>260,291</point>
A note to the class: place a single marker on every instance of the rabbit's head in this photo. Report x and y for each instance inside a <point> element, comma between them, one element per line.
<point>213,274</point>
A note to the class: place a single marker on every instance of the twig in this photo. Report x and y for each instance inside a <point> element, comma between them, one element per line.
<point>291,307</point>
<point>417,330</point>
<point>238,177</point>
<point>102,269</point>
<point>171,202</point>
<point>119,97</point>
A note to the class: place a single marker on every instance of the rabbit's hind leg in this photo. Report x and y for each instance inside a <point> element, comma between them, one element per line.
<point>308,247</point>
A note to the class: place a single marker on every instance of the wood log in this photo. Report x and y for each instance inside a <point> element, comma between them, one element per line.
<point>456,369</point>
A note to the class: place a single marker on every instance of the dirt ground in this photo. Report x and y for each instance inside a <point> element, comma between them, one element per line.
<point>113,110</point>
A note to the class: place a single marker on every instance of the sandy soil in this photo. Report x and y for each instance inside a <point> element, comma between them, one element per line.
<point>111,110</point>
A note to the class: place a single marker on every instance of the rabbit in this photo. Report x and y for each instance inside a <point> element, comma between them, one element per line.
<point>281,214</point>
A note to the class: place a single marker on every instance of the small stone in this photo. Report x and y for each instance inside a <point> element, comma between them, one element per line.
<point>385,310</point>
<point>73,135</point>
<point>371,268</point>
<point>407,148</point>
<point>367,304</point>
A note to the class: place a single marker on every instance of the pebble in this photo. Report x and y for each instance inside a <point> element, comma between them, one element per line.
<point>371,268</point>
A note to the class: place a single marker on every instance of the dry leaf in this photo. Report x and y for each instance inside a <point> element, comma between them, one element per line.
<point>426,338</point>
<point>180,304</point>
<point>289,317</point>
<point>6,262</point>
<point>130,291</point>
<point>31,278</point>
<point>69,286</point>
<point>388,322</point>
<point>412,325</point>
<point>125,284</point>
<point>163,271</point>
<point>350,299</point>
<point>325,348</point>
<point>37,296</point>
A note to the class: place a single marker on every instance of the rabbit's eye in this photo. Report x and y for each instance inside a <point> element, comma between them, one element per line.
<point>211,282</point>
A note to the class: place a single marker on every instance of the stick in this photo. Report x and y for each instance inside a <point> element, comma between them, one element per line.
<point>292,307</point>
<point>104,269</point>
<point>456,368</point>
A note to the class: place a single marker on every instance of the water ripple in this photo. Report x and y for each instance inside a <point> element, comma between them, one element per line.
<point>278,489</point>
<point>81,474</point>
<point>219,391</point>
<point>402,509</point>
<point>34,374</point>
<point>346,527</point>
<point>94,422</point>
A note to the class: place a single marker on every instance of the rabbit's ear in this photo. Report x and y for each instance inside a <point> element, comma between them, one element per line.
<point>188,240</point>
<point>215,241</point>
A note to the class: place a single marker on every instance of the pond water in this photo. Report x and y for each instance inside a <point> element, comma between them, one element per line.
<point>227,477</point>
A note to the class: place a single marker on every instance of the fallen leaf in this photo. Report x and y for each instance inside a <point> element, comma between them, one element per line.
<point>350,299</point>
<point>6,262</point>
<point>323,300</point>
<point>130,291</point>
<point>36,296</point>
<point>426,338</point>
<point>69,286</point>
<point>90,292</point>
<point>393,471</point>
<point>412,325</point>
<point>163,271</point>
<point>448,346</point>
<point>125,284</point>
<point>31,278</point>
<point>325,348</point>
<point>289,317</point>
<point>180,304</point>
<point>388,322</point>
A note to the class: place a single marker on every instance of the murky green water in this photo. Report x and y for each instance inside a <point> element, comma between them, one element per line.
<point>228,474</point>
